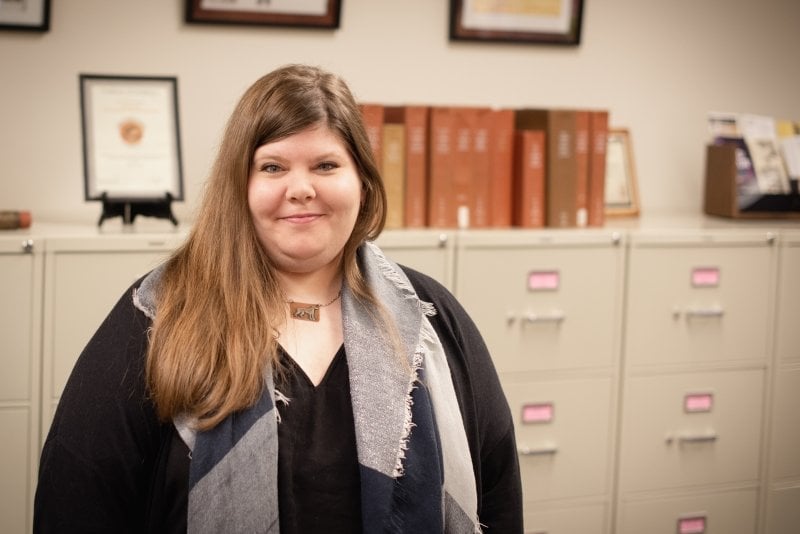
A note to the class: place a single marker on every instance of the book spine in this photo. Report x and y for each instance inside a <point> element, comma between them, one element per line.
<point>561,169</point>
<point>529,178</point>
<point>416,121</point>
<point>598,141</point>
<point>440,170</point>
<point>463,175</point>
<point>481,170</point>
<point>581,168</point>
<point>373,117</point>
<point>501,156</point>
<point>393,171</point>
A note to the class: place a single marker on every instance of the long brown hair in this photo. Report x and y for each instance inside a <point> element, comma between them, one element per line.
<point>219,303</point>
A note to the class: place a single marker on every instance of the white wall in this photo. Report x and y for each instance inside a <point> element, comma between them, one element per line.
<point>658,66</point>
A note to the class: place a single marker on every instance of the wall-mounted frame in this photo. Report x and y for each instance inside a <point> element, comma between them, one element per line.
<point>527,21</point>
<point>622,188</point>
<point>131,138</point>
<point>26,15</point>
<point>296,13</point>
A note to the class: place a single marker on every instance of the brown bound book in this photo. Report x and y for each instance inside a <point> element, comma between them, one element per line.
<point>372,115</point>
<point>394,173</point>
<point>560,163</point>
<point>529,179</point>
<point>598,139</point>
<point>501,156</point>
<point>582,167</point>
<point>464,161</point>
<point>481,207</point>
<point>441,200</point>
<point>415,119</point>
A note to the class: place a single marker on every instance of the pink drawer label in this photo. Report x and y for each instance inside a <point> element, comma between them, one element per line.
<point>698,402</point>
<point>692,525</point>
<point>543,280</point>
<point>705,277</point>
<point>538,413</point>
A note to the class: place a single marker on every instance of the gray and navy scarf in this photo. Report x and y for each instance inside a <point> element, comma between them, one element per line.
<point>416,472</point>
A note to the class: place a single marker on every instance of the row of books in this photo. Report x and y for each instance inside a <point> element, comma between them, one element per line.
<point>482,167</point>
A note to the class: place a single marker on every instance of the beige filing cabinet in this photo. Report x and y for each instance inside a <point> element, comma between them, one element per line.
<point>86,273</point>
<point>699,310</point>
<point>549,307</point>
<point>783,476</point>
<point>21,267</point>
<point>428,251</point>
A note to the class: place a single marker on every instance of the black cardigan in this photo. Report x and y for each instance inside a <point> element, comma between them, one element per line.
<point>109,465</point>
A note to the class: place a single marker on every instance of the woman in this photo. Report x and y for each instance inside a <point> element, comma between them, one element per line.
<point>278,373</point>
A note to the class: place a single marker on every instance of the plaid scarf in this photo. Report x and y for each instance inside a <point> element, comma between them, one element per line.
<point>415,466</point>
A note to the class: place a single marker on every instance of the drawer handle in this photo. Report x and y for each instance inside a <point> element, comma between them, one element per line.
<point>709,436</point>
<point>704,312</point>
<point>557,316</point>
<point>538,451</point>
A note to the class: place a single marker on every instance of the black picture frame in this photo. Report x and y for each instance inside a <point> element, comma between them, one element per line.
<point>323,14</point>
<point>25,15</point>
<point>131,138</point>
<point>482,20</point>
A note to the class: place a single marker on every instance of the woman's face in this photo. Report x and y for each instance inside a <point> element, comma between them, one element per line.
<point>304,194</point>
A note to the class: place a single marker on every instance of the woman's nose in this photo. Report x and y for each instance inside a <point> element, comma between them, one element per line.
<point>300,186</point>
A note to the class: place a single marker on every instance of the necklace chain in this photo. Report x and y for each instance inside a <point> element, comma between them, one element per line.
<point>309,312</point>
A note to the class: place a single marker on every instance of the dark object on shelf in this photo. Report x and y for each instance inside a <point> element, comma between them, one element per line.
<point>722,197</point>
<point>129,208</point>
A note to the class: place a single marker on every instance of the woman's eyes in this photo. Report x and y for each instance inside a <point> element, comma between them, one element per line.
<point>327,166</point>
<point>323,166</point>
<point>271,168</point>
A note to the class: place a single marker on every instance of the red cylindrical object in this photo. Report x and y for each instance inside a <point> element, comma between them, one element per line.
<point>11,220</point>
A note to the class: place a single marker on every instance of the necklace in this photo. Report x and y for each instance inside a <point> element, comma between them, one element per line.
<point>309,312</point>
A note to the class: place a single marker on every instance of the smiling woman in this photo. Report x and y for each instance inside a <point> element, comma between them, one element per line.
<point>278,373</point>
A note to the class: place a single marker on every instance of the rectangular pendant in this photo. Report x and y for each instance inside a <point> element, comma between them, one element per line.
<point>304,312</point>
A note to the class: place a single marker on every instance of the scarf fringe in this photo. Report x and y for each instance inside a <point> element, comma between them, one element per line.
<point>283,399</point>
<point>390,272</point>
<point>408,424</point>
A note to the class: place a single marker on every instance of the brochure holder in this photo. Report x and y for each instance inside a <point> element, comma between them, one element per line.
<point>129,208</point>
<point>722,195</point>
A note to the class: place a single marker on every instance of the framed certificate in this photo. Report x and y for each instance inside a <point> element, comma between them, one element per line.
<point>517,21</point>
<point>297,13</point>
<point>131,139</point>
<point>27,15</point>
<point>621,187</point>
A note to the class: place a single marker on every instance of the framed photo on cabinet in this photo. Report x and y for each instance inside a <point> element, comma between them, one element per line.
<point>26,15</point>
<point>517,21</point>
<point>295,13</point>
<point>131,138</point>
<point>621,188</point>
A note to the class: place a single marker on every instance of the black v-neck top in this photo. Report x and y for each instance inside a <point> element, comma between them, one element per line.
<point>319,487</point>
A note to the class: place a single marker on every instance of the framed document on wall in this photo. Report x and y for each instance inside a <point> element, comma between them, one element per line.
<point>131,138</point>
<point>26,15</point>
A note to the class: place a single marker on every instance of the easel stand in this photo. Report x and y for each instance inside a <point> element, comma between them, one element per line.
<point>129,208</point>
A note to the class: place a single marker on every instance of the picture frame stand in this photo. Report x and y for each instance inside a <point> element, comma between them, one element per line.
<point>129,208</point>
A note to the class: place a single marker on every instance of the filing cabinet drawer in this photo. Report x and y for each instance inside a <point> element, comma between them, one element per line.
<point>691,429</point>
<point>15,451</point>
<point>698,305</point>
<point>783,511</point>
<point>429,252</point>
<point>563,430</point>
<point>732,512</point>
<point>786,425</point>
<point>542,308</point>
<point>576,520</point>
<point>788,338</point>
<point>16,315</point>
